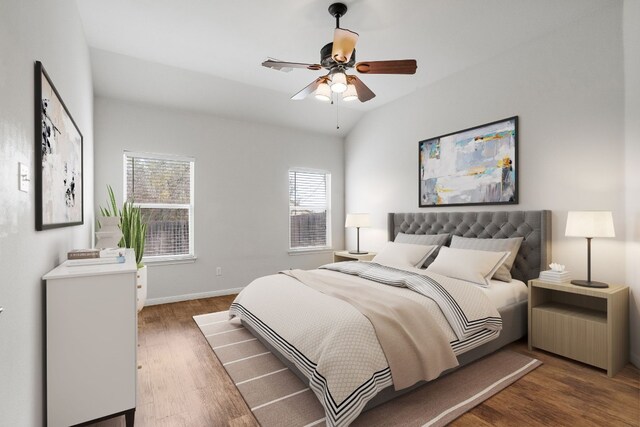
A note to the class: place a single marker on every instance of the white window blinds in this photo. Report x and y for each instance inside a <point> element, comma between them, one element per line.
<point>309,209</point>
<point>163,188</point>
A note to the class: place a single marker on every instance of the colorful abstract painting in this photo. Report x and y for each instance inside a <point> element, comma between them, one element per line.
<point>58,158</point>
<point>475,166</point>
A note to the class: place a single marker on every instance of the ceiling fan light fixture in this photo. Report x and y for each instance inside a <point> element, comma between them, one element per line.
<point>323,93</point>
<point>338,82</point>
<point>351,94</point>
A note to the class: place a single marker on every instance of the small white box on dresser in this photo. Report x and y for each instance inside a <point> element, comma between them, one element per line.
<point>91,336</point>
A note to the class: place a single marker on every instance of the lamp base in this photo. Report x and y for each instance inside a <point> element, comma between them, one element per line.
<point>589,284</point>
<point>358,253</point>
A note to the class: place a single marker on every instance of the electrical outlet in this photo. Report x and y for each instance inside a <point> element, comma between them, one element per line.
<point>218,271</point>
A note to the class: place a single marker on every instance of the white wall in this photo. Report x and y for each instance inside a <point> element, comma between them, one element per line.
<point>631,36</point>
<point>566,88</point>
<point>241,190</point>
<point>49,31</point>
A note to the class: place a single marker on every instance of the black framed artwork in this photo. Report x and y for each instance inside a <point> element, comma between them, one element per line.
<point>475,166</point>
<point>58,158</point>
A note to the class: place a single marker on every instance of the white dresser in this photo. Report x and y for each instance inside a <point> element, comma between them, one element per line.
<point>91,342</point>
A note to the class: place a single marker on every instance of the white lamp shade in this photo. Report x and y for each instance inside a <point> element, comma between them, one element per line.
<point>358,220</point>
<point>338,82</point>
<point>589,224</point>
<point>323,93</point>
<point>351,94</point>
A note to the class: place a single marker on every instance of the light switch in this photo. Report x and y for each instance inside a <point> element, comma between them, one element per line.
<point>23,177</point>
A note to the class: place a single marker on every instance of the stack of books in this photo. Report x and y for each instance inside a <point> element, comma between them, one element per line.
<point>95,253</point>
<point>79,257</point>
<point>83,254</point>
<point>555,276</point>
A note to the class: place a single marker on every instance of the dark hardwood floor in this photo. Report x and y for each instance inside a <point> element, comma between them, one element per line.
<point>181,383</point>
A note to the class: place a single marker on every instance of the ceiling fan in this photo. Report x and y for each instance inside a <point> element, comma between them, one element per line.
<point>338,57</point>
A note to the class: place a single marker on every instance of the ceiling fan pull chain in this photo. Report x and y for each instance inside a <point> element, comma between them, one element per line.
<point>337,113</point>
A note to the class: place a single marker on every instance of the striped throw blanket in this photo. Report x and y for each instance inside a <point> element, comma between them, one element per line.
<point>465,307</point>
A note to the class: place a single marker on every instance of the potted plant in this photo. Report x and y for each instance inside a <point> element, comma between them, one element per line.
<point>134,233</point>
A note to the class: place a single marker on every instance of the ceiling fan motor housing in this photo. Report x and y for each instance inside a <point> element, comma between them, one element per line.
<point>328,62</point>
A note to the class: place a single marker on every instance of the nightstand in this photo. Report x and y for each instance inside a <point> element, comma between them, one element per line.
<point>590,325</point>
<point>340,256</point>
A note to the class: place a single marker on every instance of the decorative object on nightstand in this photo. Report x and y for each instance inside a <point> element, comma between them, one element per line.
<point>340,256</point>
<point>358,220</point>
<point>557,274</point>
<point>589,224</point>
<point>585,324</point>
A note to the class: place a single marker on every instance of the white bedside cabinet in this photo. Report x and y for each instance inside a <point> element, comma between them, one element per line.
<point>91,342</point>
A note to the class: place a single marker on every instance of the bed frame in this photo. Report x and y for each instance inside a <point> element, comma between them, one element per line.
<point>534,255</point>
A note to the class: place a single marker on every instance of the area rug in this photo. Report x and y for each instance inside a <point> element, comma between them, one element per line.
<point>277,397</point>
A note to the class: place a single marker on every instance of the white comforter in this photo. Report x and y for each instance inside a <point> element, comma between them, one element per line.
<point>335,345</point>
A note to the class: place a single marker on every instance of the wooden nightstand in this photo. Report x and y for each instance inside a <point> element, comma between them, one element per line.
<point>586,324</point>
<point>340,256</point>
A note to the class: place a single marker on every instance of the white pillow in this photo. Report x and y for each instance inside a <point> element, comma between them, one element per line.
<point>467,264</point>
<point>403,254</point>
<point>511,245</point>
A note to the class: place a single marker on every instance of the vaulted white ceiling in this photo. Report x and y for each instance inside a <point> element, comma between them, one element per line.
<point>205,55</point>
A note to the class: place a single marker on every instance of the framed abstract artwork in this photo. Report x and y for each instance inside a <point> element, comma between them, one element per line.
<point>58,158</point>
<point>475,166</point>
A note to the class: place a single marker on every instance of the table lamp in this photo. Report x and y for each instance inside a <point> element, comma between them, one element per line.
<point>358,220</point>
<point>589,224</point>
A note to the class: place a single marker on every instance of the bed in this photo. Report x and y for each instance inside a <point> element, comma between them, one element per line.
<point>274,308</point>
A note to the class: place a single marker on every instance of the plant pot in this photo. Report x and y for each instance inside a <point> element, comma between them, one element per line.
<point>141,282</point>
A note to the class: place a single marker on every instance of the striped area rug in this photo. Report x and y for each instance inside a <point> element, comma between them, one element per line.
<point>277,397</point>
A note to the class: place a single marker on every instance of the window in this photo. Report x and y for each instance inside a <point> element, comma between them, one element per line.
<point>309,210</point>
<point>162,185</point>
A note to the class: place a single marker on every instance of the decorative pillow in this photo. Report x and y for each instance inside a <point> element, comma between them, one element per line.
<point>467,264</point>
<point>424,239</point>
<point>403,254</point>
<point>511,245</point>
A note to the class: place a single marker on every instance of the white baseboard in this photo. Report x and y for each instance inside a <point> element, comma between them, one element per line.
<point>635,360</point>
<point>188,297</point>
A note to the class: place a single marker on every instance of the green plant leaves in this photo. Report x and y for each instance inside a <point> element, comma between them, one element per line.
<point>132,225</point>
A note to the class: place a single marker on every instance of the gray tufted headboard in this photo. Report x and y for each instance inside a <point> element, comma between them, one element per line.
<point>535,226</point>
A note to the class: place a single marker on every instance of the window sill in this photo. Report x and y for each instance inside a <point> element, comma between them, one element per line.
<point>168,260</point>
<point>310,251</point>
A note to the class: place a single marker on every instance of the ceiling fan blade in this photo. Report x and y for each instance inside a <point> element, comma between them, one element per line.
<point>309,89</point>
<point>287,66</point>
<point>344,42</point>
<point>364,93</point>
<point>402,66</point>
